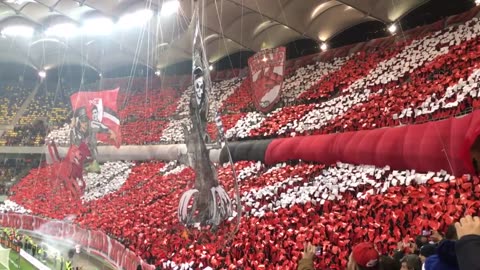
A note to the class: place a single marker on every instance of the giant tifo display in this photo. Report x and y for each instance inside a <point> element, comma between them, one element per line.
<point>376,143</point>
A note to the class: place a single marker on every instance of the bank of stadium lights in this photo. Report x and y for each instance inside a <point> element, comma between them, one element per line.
<point>97,26</point>
<point>93,26</point>
<point>135,19</point>
<point>392,28</point>
<point>18,31</point>
<point>324,46</point>
<point>169,8</point>
<point>62,30</point>
<point>18,2</point>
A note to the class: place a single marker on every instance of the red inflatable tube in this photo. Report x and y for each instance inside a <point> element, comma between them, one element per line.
<point>426,147</point>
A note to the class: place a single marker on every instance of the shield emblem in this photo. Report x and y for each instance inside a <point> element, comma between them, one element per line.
<point>267,71</point>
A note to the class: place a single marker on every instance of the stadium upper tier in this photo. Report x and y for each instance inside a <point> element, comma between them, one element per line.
<point>412,81</point>
<point>428,76</point>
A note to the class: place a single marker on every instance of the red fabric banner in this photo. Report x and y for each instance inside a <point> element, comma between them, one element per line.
<point>433,146</point>
<point>100,107</point>
<point>267,71</point>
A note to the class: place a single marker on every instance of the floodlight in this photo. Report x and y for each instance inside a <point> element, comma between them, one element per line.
<point>42,74</point>
<point>62,30</point>
<point>97,26</point>
<point>169,8</point>
<point>392,29</point>
<point>137,18</point>
<point>324,46</point>
<point>18,31</point>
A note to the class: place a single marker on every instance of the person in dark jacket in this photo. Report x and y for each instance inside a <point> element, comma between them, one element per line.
<point>444,259</point>
<point>468,245</point>
<point>427,251</point>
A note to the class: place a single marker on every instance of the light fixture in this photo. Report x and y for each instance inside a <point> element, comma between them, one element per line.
<point>264,59</point>
<point>100,75</point>
<point>97,26</point>
<point>477,2</point>
<point>43,40</point>
<point>135,19</point>
<point>169,8</point>
<point>18,2</point>
<point>62,30</point>
<point>42,74</point>
<point>18,31</point>
<point>210,67</point>
<point>324,46</point>
<point>158,72</point>
<point>392,28</point>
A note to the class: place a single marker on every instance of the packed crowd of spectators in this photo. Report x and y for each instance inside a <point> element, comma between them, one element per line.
<point>457,248</point>
<point>25,135</point>
<point>48,105</point>
<point>415,80</point>
<point>283,206</point>
<point>12,96</point>
<point>12,170</point>
<point>424,78</point>
<point>46,110</point>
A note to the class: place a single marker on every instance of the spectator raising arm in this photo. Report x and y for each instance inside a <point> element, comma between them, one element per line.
<point>468,247</point>
<point>306,263</point>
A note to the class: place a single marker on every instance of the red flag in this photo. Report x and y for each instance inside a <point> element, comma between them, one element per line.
<point>100,107</point>
<point>267,71</point>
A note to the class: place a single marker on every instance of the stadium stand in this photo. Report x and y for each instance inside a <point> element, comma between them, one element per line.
<point>48,105</point>
<point>430,76</point>
<point>25,135</point>
<point>284,199</point>
<point>12,96</point>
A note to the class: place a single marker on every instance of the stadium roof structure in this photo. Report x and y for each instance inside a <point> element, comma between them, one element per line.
<point>229,26</point>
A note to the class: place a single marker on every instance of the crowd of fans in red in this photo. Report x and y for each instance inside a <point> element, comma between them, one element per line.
<point>142,214</point>
<point>422,79</point>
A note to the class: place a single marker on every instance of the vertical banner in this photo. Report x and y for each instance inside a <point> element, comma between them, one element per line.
<point>200,70</point>
<point>267,71</point>
<point>100,107</point>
